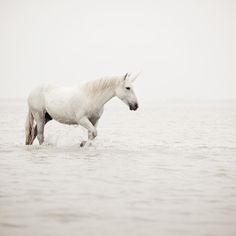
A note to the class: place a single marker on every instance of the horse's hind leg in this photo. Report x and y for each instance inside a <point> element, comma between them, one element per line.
<point>39,128</point>
<point>47,119</point>
<point>35,133</point>
<point>40,132</point>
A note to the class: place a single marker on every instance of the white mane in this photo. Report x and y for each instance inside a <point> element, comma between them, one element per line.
<point>100,85</point>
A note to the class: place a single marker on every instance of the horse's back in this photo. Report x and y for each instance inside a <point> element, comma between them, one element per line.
<point>64,104</point>
<point>37,98</point>
<point>56,101</point>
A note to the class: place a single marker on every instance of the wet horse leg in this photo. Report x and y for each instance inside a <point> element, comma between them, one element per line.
<point>91,127</point>
<point>47,119</point>
<point>39,127</point>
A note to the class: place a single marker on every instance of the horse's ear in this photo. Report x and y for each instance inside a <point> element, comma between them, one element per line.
<point>135,77</point>
<point>126,76</point>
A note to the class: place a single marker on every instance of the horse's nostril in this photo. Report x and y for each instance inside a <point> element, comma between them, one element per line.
<point>133,106</point>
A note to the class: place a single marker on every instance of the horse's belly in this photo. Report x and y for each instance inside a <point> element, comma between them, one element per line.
<point>60,111</point>
<point>64,119</point>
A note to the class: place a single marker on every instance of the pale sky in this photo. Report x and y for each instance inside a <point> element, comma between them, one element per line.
<point>185,49</point>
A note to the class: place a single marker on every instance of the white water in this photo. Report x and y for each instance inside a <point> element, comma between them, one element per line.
<point>167,169</point>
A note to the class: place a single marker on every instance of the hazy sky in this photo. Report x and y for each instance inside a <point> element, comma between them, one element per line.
<point>185,49</point>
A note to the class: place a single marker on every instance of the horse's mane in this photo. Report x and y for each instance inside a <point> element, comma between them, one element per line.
<point>99,85</point>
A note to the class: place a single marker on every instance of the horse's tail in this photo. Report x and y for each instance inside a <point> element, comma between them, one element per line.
<point>29,129</point>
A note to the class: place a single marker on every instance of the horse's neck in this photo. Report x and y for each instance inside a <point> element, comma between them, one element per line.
<point>101,91</point>
<point>102,98</point>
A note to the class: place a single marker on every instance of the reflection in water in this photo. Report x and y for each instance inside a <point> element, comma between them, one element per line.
<point>168,169</point>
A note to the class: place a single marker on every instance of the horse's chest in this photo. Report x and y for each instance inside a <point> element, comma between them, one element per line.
<point>94,115</point>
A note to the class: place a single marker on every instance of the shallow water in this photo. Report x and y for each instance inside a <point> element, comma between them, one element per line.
<point>167,169</point>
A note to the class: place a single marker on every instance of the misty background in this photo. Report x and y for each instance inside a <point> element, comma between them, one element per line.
<point>185,49</point>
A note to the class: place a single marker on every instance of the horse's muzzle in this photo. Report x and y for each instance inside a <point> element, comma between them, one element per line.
<point>133,107</point>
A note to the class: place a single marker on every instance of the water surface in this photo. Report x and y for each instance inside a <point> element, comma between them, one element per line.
<point>167,169</point>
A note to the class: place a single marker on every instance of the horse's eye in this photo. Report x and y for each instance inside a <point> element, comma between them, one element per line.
<point>128,88</point>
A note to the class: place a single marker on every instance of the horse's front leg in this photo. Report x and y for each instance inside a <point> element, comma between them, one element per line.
<point>90,135</point>
<point>92,131</point>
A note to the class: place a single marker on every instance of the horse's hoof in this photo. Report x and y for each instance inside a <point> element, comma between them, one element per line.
<point>82,143</point>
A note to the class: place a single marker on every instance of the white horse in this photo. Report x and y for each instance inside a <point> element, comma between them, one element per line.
<point>73,105</point>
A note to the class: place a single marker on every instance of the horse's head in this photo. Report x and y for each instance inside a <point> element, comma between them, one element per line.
<point>126,93</point>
